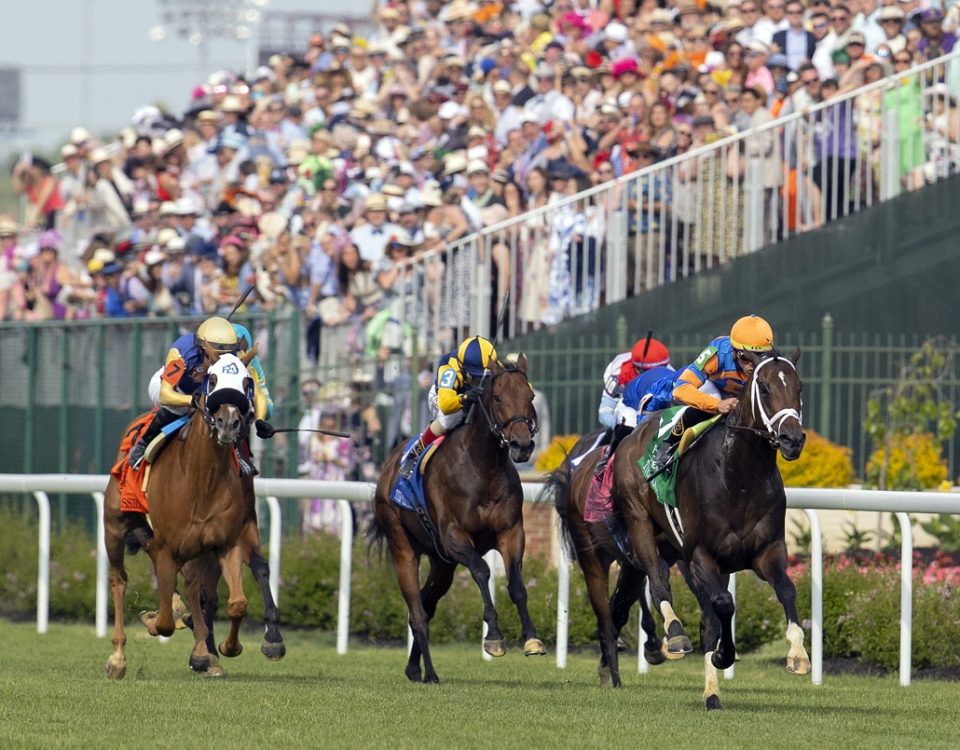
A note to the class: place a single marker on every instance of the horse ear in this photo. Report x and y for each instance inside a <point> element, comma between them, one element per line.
<point>795,356</point>
<point>751,357</point>
<point>522,363</point>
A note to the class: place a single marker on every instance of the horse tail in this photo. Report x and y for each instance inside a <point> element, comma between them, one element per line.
<point>557,485</point>
<point>376,538</point>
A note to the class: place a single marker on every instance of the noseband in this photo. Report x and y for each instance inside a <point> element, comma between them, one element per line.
<point>498,428</point>
<point>773,422</point>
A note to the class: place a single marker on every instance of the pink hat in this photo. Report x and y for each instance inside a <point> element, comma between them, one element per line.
<point>575,19</point>
<point>623,65</point>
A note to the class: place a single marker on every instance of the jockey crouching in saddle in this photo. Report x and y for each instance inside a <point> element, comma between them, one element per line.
<point>173,387</point>
<point>457,372</point>
<point>712,383</point>
<point>632,373</point>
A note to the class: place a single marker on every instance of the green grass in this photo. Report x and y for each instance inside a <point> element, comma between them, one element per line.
<point>53,694</point>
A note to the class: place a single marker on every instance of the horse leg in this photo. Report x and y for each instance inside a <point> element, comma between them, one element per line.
<point>511,544</point>
<point>200,576</point>
<point>272,646</point>
<point>771,566</point>
<point>117,663</point>
<point>165,569</point>
<point>231,563</point>
<point>461,549</point>
<point>629,589</point>
<point>643,541</point>
<point>596,574</point>
<point>717,608</point>
<point>438,583</point>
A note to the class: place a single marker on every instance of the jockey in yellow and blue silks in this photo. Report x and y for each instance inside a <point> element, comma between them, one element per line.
<point>712,383</point>
<point>456,373</point>
<point>173,386</point>
<point>244,345</point>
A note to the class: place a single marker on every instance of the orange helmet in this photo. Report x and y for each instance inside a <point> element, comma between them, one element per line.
<point>752,333</point>
<point>646,356</point>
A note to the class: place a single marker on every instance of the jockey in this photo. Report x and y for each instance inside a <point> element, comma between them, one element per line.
<point>244,345</point>
<point>173,387</point>
<point>711,384</point>
<point>456,373</point>
<point>646,356</point>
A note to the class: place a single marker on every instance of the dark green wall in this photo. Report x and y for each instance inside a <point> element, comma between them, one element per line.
<point>893,268</point>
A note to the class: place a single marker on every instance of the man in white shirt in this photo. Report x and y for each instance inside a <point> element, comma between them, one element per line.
<point>371,237</point>
<point>868,22</point>
<point>826,43</point>
<point>773,20</point>
<point>548,103</point>
<point>508,116</point>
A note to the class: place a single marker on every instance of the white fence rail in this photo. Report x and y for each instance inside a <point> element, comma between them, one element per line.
<point>692,212</point>
<point>810,500</point>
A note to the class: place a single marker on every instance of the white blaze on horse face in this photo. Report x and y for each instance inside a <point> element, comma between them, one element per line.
<point>230,373</point>
<point>783,378</point>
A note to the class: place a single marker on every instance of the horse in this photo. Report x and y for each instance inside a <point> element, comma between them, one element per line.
<point>475,504</point>
<point>197,507</point>
<point>592,545</point>
<point>731,507</point>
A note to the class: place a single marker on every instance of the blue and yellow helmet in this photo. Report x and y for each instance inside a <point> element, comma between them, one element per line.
<point>244,339</point>
<point>475,355</point>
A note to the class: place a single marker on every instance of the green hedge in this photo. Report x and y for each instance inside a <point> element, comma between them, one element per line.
<point>861,601</point>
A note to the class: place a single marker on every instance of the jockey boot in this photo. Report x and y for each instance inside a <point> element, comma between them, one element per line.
<point>664,452</point>
<point>245,459</point>
<point>619,433</point>
<point>162,418</point>
<point>409,461</point>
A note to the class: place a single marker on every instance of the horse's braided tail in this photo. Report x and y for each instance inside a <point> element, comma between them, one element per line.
<point>557,487</point>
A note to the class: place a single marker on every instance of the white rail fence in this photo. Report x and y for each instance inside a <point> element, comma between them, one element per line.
<point>690,213</point>
<point>810,500</point>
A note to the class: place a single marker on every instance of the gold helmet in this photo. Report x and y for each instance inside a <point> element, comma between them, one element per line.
<point>217,336</point>
<point>752,333</point>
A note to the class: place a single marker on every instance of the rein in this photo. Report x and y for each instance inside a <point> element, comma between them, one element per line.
<point>498,428</point>
<point>773,422</point>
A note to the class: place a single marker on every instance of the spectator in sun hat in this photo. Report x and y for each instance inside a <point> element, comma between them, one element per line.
<point>891,22</point>
<point>371,237</point>
<point>549,103</point>
<point>935,42</point>
<point>758,74</point>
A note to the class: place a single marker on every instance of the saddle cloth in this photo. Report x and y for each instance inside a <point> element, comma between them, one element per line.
<point>408,493</point>
<point>599,504</point>
<point>664,484</point>
<point>133,482</point>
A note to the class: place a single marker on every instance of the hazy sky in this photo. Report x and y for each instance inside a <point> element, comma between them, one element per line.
<point>91,63</point>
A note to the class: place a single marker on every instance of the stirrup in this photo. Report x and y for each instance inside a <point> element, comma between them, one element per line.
<point>137,454</point>
<point>247,469</point>
<point>601,467</point>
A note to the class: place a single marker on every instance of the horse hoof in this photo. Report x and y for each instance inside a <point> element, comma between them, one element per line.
<point>273,651</point>
<point>414,675</point>
<point>606,677</point>
<point>180,613</point>
<point>534,647</point>
<point>798,665</point>
<point>722,662</point>
<point>712,703</point>
<point>654,656</point>
<point>116,668</point>
<point>215,670</point>
<point>200,663</point>
<point>431,679</point>
<point>230,652</point>
<point>149,620</point>
<point>495,647</point>
<point>678,646</point>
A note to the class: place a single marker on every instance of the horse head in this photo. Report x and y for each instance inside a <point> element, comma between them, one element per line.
<point>507,404</point>
<point>771,404</point>
<point>227,398</point>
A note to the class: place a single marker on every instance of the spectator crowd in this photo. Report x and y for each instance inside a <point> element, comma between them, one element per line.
<point>315,177</point>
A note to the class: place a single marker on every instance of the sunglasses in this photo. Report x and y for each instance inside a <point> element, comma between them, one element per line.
<point>687,133</point>
<point>810,81</point>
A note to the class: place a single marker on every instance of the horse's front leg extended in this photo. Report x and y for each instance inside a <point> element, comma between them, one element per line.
<point>231,563</point>
<point>771,565</point>
<point>629,588</point>
<point>117,663</point>
<point>460,548</point>
<point>196,575</point>
<point>716,608</point>
<point>165,568</point>
<point>511,544</point>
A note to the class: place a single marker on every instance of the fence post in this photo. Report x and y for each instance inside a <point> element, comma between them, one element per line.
<point>43,562</point>
<point>816,597</point>
<point>826,376</point>
<point>906,596</point>
<point>101,599</point>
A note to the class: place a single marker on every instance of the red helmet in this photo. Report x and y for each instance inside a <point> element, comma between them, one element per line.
<point>646,356</point>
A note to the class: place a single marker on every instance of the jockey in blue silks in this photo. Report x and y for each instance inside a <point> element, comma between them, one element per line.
<point>245,344</point>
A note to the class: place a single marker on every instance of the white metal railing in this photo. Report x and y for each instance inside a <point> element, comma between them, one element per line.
<point>810,500</point>
<point>692,212</point>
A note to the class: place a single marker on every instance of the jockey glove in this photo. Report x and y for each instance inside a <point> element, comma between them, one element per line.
<point>264,429</point>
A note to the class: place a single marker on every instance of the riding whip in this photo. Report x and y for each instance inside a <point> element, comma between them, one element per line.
<point>646,346</point>
<point>243,298</point>
<point>266,430</point>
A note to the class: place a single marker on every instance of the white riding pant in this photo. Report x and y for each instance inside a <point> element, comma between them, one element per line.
<point>446,421</point>
<point>153,390</point>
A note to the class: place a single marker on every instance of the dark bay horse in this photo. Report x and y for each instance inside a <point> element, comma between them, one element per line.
<point>594,548</point>
<point>731,505</point>
<point>475,503</point>
<point>197,507</point>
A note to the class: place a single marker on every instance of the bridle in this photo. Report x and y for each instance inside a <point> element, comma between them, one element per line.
<point>498,428</point>
<point>772,423</point>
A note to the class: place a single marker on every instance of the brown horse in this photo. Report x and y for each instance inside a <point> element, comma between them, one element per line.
<point>197,507</point>
<point>595,549</point>
<point>475,503</point>
<point>731,507</point>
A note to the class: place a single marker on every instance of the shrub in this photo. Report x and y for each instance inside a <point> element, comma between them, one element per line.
<point>915,463</point>
<point>821,464</point>
<point>553,455</point>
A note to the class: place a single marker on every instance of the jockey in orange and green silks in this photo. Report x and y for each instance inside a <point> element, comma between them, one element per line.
<point>245,344</point>
<point>456,373</point>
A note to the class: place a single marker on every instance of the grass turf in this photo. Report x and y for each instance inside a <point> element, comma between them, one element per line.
<point>53,694</point>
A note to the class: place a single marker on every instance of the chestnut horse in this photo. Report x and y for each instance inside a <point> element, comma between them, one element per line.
<point>731,507</point>
<point>197,507</point>
<point>475,504</point>
<point>592,545</point>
